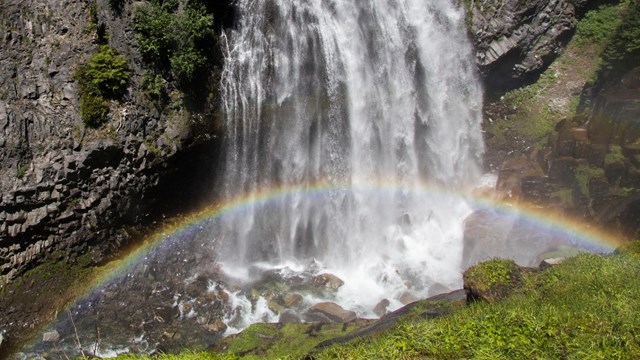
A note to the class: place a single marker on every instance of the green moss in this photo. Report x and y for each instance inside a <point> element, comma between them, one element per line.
<point>584,174</point>
<point>292,341</point>
<point>614,156</point>
<point>187,355</point>
<point>564,197</point>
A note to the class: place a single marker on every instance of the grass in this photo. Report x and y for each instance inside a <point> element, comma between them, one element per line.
<point>584,308</point>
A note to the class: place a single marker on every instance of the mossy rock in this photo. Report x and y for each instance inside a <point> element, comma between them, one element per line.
<point>492,280</point>
<point>274,340</point>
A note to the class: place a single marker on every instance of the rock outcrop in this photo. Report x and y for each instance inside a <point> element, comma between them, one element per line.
<point>515,40</point>
<point>67,187</point>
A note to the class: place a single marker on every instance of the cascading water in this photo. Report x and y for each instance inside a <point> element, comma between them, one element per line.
<point>367,100</point>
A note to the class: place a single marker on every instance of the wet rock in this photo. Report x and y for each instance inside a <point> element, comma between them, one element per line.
<point>381,308</point>
<point>327,281</point>
<point>547,263</point>
<point>217,326</point>
<point>293,300</point>
<point>329,312</point>
<point>407,298</point>
<point>51,337</point>
<point>289,316</point>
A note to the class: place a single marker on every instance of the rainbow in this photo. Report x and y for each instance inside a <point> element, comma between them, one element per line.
<point>584,235</point>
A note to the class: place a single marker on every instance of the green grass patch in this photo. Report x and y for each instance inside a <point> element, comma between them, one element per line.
<point>583,308</point>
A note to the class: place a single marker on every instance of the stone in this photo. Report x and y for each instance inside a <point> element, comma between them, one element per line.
<point>217,326</point>
<point>327,281</point>
<point>329,311</point>
<point>547,263</point>
<point>381,308</point>
<point>289,316</point>
<point>51,337</point>
<point>407,298</point>
<point>293,300</point>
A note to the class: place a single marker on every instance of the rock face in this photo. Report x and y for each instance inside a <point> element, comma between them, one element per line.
<point>66,187</point>
<point>516,39</point>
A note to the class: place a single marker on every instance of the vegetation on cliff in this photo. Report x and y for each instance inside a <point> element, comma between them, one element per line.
<point>174,37</point>
<point>104,76</point>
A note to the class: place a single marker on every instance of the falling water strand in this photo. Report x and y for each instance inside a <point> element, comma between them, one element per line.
<point>349,94</point>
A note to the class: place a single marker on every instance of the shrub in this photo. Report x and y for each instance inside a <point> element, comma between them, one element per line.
<point>173,38</point>
<point>105,75</point>
<point>93,110</point>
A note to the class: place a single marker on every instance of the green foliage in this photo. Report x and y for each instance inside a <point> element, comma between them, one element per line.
<point>614,155</point>
<point>583,308</point>
<point>153,85</point>
<point>93,110</point>
<point>105,75</point>
<point>598,25</point>
<point>172,36</point>
<point>584,174</point>
<point>92,18</point>
<point>491,273</point>
<point>623,51</point>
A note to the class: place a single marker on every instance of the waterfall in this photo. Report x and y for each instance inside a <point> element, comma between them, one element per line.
<point>347,107</point>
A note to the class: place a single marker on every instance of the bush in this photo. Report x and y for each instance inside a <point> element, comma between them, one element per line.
<point>105,75</point>
<point>173,38</point>
<point>93,110</point>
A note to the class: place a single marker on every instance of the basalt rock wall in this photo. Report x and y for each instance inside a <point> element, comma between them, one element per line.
<point>515,40</point>
<point>67,187</point>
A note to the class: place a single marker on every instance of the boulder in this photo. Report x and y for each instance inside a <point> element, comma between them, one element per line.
<point>492,280</point>
<point>407,298</point>
<point>289,316</point>
<point>381,308</point>
<point>216,326</point>
<point>329,312</point>
<point>547,263</point>
<point>51,337</point>
<point>293,300</point>
<point>327,281</point>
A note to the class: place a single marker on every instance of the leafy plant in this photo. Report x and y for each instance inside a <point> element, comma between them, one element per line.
<point>172,36</point>
<point>93,110</point>
<point>105,75</point>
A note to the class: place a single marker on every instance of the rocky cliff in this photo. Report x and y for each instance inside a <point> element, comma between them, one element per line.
<point>68,187</point>
<point>515,40</point>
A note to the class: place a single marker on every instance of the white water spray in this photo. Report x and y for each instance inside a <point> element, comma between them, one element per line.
<point>352,93</point>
